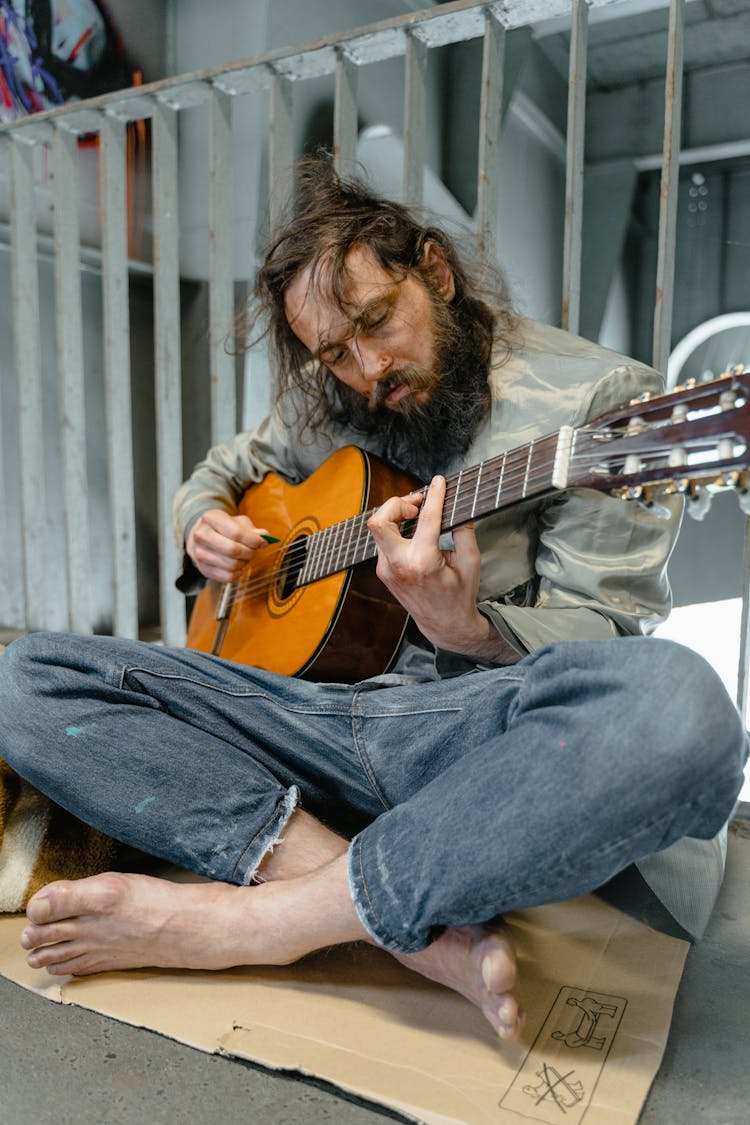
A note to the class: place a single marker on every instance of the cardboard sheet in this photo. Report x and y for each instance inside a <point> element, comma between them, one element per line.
<point>598,989</point>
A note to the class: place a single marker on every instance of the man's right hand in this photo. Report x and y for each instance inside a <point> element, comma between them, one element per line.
<point>221,545</point>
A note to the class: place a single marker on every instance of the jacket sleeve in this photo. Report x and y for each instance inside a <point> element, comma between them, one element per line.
<point>221,478</point>
<point>600,562</point>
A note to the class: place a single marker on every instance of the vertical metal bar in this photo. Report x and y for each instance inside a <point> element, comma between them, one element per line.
<point>490,124</point>
<point>415,116</point>
<point>167,363</point>
<point>221,268</point>
<point>345,114</point>
<point>743,670</point>
<point>116,324</point>
<point>6,535</point>
<point>10,598</point>
<point>12,608</point>
<point>571,287</point>
<point>69,321</point>
<point>669,187</point>
<point>27,345</point>
<point>280,144</point>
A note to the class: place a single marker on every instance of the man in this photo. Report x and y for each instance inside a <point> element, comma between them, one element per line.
<point>526,746</point>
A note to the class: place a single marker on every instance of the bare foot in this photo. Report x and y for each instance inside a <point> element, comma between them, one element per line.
<point>118,921</point>
<point>480,963</point>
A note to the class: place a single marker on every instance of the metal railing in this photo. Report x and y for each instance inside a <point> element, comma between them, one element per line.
<point>278,72</point>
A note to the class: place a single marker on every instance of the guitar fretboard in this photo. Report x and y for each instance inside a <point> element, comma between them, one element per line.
<point>513,476</point>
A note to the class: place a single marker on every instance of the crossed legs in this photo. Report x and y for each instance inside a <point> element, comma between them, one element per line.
<point>549,792</point>
<point>120,921</point>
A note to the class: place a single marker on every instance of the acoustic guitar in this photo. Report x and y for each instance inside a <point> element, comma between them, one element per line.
<point>313,606</point>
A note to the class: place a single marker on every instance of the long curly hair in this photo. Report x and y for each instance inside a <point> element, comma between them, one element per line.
<point>326,218</point>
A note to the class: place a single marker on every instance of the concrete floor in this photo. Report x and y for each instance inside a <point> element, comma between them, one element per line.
<point>65,1065</point>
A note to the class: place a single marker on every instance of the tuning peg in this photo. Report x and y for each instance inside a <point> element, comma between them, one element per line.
<point>699,501</point>
<point>651,494</point>
<point>728,399</point>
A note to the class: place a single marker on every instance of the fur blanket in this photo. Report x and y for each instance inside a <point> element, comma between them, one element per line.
<point>40,842</point>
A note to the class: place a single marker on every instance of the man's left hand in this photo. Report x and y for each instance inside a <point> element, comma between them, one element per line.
<point>438,588</point>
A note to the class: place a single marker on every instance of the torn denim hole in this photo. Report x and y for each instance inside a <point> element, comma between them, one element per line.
<point>262,844</point>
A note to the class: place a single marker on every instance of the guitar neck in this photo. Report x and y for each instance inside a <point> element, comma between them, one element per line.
<point>694,440</point>
<point>518,474</point>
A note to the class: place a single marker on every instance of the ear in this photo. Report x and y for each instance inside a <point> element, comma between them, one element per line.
<point>435,264</point>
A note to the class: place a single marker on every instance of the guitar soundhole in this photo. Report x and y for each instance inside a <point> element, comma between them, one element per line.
<point>291,567</point>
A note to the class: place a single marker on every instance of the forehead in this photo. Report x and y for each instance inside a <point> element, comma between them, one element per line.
<point>313,312</point>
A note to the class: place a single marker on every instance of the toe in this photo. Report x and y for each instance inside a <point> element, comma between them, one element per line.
<point>35,936</point>
<point>39,908</point>
<point>52,903</point>
<point>78,965</point>
<point>69,898</point>
<point>504,1016</point>
<point>52,956</point>
<point>509,1018</point>
<point>498,965</point>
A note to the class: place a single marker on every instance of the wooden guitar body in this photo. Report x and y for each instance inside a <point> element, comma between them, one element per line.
<point>342,627</point>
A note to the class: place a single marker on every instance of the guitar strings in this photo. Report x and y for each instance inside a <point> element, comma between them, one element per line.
<point>514,466</point>
<point>519,466</point>
<point>339,537</point>
<point>337,534</point>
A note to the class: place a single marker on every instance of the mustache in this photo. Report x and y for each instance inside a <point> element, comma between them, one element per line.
<point>415,378</point>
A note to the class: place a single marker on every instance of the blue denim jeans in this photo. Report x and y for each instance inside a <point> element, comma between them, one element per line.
<point>463,798</point>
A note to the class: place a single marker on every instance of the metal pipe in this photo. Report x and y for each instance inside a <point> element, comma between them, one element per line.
<point>415,117</point>
<point>116,340</point>
<point>69,326</point>
<point>575,141</point>
<point>345,114</point>
<point>437,26</point>
<point>221,269</point>
<point>490,124</point>
<point>27,349</point>
<point>743,671</point>
<point>280,144</point>
<point>662,344</point>
<point>167,363</point>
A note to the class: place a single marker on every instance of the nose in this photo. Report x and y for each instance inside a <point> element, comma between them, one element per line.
<point>374,360</point>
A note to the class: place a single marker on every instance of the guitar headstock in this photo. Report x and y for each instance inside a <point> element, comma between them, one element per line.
<point>694,440</point>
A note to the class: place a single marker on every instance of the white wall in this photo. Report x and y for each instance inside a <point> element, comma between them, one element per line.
<point>615,329</point>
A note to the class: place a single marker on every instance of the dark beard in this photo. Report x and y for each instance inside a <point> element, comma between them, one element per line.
<point>427,438</point>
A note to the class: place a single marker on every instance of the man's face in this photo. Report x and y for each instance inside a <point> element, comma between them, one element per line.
<point>382,343</point>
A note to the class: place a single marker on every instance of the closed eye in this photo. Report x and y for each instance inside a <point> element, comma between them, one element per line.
<point>376,320</point>
<point>332,357</point>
